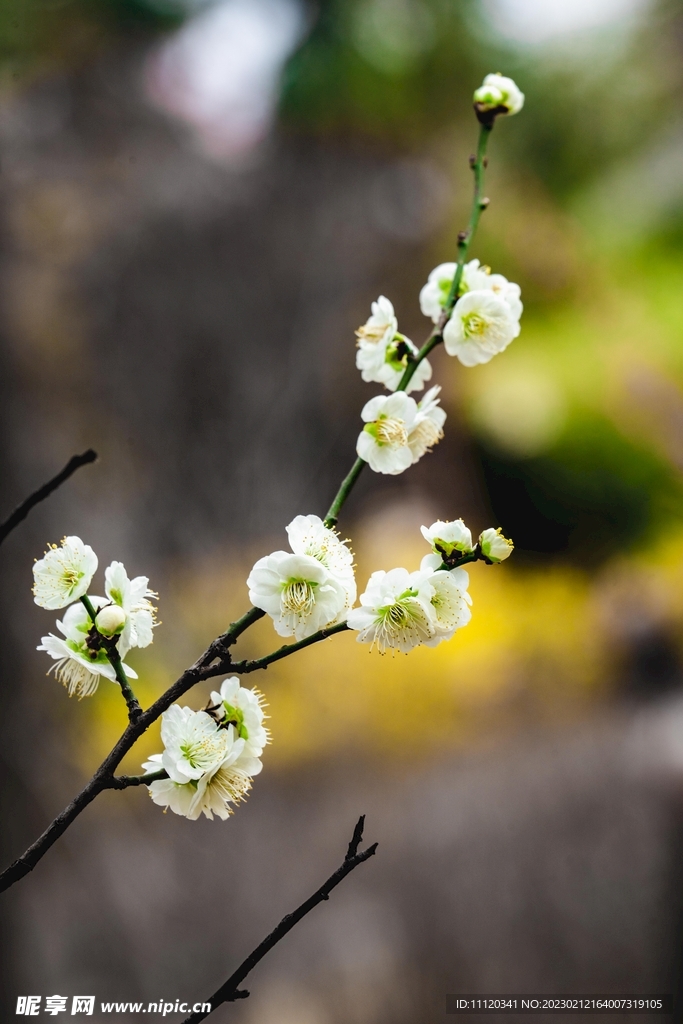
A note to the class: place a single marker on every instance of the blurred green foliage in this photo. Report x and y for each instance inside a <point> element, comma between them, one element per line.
<point>592,495</point>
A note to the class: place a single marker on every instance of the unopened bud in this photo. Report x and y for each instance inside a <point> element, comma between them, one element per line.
<point>447,538</point>
<point>494,546</point>
<point>110,620</point>
<point>499,94</point>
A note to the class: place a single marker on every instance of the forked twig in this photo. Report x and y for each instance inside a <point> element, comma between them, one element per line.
<point>230,990</point>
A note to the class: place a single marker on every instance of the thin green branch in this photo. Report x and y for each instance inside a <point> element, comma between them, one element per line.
<point>344,491</point>
<point>479,203</point>
<point>244,667</point>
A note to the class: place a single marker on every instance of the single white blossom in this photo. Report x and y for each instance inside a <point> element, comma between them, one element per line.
<point>308,535</point>
<point>243,708</point>
<point>482,325</point>
<point>450,600</point>
<point>193,743</point>
<point>427,427</point>
<point>381,326</point>
<point>395,611</point>
<point>132,596</point>
<point>298,592</point>
<point>382,355</point>
<point>383,442</point>
<point>499,91</point>
<point>220,769</point>
<point>494,545</point>
<point>64,573</point>
<point>445,538</point>
<point>77,666</point>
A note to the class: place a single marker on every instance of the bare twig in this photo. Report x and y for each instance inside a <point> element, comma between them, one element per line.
<point>104,778</point>
<point>21,511</point>
<point>230,991</point>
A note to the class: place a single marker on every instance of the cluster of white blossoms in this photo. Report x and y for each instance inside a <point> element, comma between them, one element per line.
<point>486,316</point>
<point>309,588</point>
<point>61,578</point>
<point>210,756</point>
<point>398,430</point>
<point>401,609</point>
<point>484,319</point>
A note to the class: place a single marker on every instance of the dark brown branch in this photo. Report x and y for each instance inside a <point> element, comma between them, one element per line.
<point>104,777</point>
<point>20,513</point>
<point>244,667</point>
<point>231,991</point>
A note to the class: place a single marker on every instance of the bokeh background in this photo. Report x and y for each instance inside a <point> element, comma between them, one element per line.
<point>198,202</point>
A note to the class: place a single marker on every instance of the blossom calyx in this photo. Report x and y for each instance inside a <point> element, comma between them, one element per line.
<point>494,546</point>
<point>110,620</point>
<point>497,95</point>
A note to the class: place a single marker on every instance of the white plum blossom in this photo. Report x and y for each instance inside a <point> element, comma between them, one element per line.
<point>64,573</point>
<point>132,596</point>
<point>243,708</point>
<point>494,545</point>
<point>298,592</point>
<point>435,292</point>
<point>450,601</point>
<point>383,442</point>
<point>212,794</point>
<point>499,91</point>
<point>445,538</point>
<point>482,325</point>
<point>207,765</point>
<point>427,427</point>
<point>308,535</point>
<point>381,325</point>
<point>395,611</point>
<point>77,666</point>
<point>475,277</point>
<point>382,354</point>
<point>193,743</point>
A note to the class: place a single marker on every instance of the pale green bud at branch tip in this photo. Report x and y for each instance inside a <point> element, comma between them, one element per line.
<point>110,620</point>
<point>494,546</point>
<point>499,94</point>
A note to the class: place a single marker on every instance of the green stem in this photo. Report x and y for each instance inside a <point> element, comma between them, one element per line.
<point>110,649</point>
<point>436,337</point>
<point>344,491</point>
<point>243,667</point>
<point>478,205</point>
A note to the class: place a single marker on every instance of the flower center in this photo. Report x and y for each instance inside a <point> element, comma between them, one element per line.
<point>204,752</point>
<point>298,596</point>
<point>71,577</point>
<point>474,325</point>
<point>426,433</point>
<point>371,332</point>
<point>391,431</point>
<point>395,617</point>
